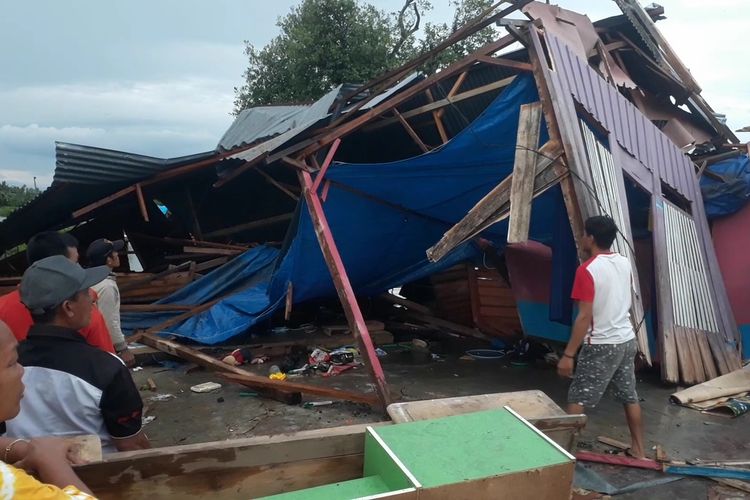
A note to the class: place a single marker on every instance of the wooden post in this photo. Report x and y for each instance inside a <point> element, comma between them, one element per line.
<point>524,172</point>
<point>437,117</point>
<point>141,202</point>
<point>549,106</point>
<point>343,286</point>
<point>289,301</point>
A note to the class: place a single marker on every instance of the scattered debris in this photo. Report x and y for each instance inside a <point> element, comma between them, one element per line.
<point>206,387</point>
<point>137,368</point>
<point>314,404</point>
<point>613,443</point>
<point>147,420</point>
<point>161,397</point>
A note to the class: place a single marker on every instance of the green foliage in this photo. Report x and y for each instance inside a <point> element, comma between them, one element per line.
<point>12,197</point>
<point>466,10</point>
<point>324,43</point>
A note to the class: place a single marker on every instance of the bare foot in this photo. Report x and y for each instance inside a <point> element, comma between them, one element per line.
<point>635,452</point>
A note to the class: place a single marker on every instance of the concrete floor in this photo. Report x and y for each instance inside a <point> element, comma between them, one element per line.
<point>228,414</point>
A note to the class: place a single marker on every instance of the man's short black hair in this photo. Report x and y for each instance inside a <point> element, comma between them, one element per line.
<point>603,229</point>
<point>47,244</point>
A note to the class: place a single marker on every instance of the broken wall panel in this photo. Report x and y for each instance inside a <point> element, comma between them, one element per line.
<point>575,81</point>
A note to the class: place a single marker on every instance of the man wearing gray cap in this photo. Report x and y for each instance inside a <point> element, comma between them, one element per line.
<point>72,388</point>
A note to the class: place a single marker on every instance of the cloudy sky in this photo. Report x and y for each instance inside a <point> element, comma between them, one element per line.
<point>157,77</point>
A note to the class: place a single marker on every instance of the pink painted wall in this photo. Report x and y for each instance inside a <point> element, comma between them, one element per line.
<point>731,237</point>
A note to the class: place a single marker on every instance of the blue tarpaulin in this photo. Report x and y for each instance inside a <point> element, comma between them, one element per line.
<point>726,197</point>
<point>383,217</point>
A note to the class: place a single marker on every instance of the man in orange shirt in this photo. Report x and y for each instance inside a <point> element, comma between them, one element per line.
<point>17,316</point>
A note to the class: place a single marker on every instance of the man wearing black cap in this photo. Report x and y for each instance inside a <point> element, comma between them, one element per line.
<point>72,388</point>
<point>103,252</point>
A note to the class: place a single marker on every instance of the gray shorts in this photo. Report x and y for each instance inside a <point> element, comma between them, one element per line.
<point>601,366</point>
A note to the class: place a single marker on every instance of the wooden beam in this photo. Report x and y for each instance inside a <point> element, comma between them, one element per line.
<point>488,206</point>
<point>176,349</point>
<point>154,307</point>
<point>210,264</point>
<point>268,221</point>
<point>454,90</point>
<point>104,201</point>
<point>141,202</point>
<point>275,183</point>
<point>442,103</point>
<point>552,108</point>
<point>187,315</point>
<point>411,131</point>
<point>506,63</point>
<point>326,165</point>
<point>394,299</point>
<point>257,382</point>
<point>524,172</point>
<point>211,251</point>
<point>184,241</point>
<point>132,285</point>
<point>343,287</point>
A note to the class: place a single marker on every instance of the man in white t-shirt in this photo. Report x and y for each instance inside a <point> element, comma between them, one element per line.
<point>602,288</point>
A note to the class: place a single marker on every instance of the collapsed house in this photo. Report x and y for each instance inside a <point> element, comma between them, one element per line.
<point>473,182</point>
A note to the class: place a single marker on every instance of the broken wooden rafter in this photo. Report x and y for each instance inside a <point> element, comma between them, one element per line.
<point>409,130</point>
<point>506,63</point>
<point>258,382</point>
<point>256,224</point>
<point>134,284</point>
<point>524,172</point>
<point>489,206</point>
<point>326,165</point>
<point>211,251</point>
<point>276,183</point>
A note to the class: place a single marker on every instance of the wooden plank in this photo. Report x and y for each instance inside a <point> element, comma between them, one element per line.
<point>613,442</point>
<point>204,266</point>
<point>409,130</point>
<point>705,352</point>
<point>734,483</point>
<point>695,353</point>
<point>406,303</point>
<point>199,358</point>
<point>507,63</point>
<point>687,370</point>
<point>210,251</point>
<point>256,224</point>
<point>524,172</point>
<point>488,206</point>
<point>639,463</point>
<point>447,325</point>
<point>134,284</point>
<point>141,202</point>
<point>258,382</point>
<point>553,112</point>
<point>343,286</point>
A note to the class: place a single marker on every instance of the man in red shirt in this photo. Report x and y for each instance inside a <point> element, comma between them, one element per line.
<point>17,316</point>
<point>603,331</point>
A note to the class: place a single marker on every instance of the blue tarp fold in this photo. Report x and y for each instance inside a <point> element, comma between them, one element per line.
<point>727,197</point>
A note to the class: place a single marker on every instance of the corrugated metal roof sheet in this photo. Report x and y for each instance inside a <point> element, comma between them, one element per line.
<point>262,122</point>
<point>78,164</point>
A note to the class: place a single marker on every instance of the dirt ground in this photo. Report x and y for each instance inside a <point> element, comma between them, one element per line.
<point>234,412</point>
